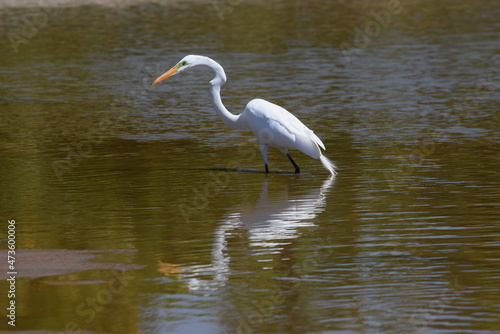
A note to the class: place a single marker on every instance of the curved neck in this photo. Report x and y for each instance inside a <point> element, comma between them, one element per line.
<point>220,78</point>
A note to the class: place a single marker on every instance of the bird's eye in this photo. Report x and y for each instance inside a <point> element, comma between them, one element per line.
<point>184,63</point>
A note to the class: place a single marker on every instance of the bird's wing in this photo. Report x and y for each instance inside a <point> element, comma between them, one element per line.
<point>281,120</point>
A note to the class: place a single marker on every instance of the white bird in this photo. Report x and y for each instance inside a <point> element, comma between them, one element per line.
<point>272,125</point>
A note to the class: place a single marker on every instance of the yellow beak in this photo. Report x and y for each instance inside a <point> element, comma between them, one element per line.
<point>165,75</point>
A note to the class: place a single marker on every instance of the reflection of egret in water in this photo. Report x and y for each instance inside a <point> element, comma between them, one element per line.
<point>271,223</point>
<point>264,230</point>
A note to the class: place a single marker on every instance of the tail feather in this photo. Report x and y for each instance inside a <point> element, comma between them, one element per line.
<point>328,164</point>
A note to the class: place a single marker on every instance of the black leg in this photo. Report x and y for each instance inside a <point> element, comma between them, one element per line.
<point>297,168</point>
<point>267,168</point>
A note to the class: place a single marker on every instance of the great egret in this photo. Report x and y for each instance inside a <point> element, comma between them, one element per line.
<point>272,125</point>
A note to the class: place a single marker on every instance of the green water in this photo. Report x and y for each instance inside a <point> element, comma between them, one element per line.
<point>138,211</point>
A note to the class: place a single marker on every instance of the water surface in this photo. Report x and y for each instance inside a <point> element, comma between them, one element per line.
<point>164,214</point>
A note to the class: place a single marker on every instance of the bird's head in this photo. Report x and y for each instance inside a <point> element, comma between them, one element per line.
<point>184,64</point>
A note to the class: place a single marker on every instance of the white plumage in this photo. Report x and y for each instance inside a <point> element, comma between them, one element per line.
<point>273,125</point>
